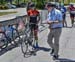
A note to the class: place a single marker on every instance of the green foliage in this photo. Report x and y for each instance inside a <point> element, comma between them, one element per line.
<point>3,7</point>
<point>40,4</point>
<point>2,2</point>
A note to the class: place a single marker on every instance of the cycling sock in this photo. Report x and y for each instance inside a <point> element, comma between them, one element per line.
<point>36,44</point>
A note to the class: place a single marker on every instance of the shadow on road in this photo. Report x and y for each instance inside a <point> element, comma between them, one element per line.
<point>9,48</point>
<point>65,60</point>
<point>44,49</point>
<point>34,52</point>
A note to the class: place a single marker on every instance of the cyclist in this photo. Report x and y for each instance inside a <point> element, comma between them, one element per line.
<point>63,10</point>
<point>71,9</point>
<point>34,18</point>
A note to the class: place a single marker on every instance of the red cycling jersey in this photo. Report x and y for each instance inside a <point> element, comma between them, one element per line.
<point>72,8</point>
<point>33,12</point>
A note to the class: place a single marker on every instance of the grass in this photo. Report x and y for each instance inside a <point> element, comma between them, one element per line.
<point>6,13</point>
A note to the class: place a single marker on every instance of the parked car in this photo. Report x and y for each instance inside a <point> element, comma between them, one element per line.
<point>11,6</point>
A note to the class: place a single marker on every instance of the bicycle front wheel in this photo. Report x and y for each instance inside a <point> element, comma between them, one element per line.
<point>24,45</point>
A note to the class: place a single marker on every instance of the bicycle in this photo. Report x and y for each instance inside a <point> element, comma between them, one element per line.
<point>28,41</point>
<point>14,36</point>
<point>9,37</point>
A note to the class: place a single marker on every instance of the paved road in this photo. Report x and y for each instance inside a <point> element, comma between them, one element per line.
<point>67,48</point>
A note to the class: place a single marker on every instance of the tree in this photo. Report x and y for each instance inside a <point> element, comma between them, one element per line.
<point>1,1</point>
<point>40,4</point>
<point>18,1</point>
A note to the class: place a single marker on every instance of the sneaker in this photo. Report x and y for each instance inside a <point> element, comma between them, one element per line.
<point>52,51</point>
<point>35,48</point>
<point>55,57</point>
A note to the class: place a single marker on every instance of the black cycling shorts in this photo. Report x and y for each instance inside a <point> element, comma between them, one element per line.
<point>34,21</point>
<point>72,15</point>
<point>33,27</point>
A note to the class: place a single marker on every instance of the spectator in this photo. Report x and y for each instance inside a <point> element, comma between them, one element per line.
<point>63,10</point>
<point>72,13</point>
<point>55,21</point>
